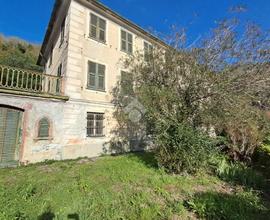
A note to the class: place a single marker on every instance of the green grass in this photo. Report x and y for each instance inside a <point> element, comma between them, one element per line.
<point>122,187</point>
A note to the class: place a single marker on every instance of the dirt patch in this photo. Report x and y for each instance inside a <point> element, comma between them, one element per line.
<point>87,160</point>
<point>48,169</point>
<point>222,188</point>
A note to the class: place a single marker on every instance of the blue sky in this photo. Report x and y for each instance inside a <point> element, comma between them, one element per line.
<point>28,19</point>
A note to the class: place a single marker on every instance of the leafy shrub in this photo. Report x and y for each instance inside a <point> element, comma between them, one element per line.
<point>181,148</point>
<point>245,131</point>
<point>241,206</point>
<point>237,172</point>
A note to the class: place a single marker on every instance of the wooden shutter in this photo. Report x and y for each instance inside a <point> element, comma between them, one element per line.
<point>130,43</point>
<point>102,29</point>
<point>93,26</point>
<point>123,40</point>
<point>101,77</point>
<point>92,69</point>
<point>9,136</point>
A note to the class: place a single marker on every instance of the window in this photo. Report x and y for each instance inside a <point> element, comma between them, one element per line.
<point>62,32</point>
<point>148,50</point>
<point>51,57</point>
<point>97,28</point>
<point>43,128</point>
<point>126,42</point>
<point>95,125</point>
<point>58,80</point>
<point>126,83</point>
<point>96,76</point>
<point>59,70</point>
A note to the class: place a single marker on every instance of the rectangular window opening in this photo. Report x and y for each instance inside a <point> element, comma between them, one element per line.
<point>126,42</point>
<point>96,76</point>
<point>97,28</point>
<point>62,32</point>
<point>95,124</point>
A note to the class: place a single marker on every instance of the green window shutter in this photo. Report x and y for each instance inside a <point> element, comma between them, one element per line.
<point>102,30</point>
<point>126,42</point>
<point>101,77</point>
<point>96,76</point>
<point>130,43</point>
<point>93,26</point>
<point>97,28</point>
<point>148,51</point>
<point>9,136</point>
<point>123,40</point>
<point>43,129</point>
<point>92,69</point>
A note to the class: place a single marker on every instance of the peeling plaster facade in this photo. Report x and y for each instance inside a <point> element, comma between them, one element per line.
<point>68,137</point>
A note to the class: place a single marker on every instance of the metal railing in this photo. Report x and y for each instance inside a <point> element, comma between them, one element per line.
<point>28,81</point>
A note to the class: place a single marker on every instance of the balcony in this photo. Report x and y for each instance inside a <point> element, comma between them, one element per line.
<point>23,82</point>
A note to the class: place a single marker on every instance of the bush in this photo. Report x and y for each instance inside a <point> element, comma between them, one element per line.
<point>237,173</point>
<point>181,148</point>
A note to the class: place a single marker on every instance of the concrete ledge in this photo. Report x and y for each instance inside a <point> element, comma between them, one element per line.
<point>23,93</point>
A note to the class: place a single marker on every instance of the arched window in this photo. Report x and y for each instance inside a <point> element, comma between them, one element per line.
<point>43,128</point>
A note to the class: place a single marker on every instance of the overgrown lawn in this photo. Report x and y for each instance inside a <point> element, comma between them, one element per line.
<point>122,187</point>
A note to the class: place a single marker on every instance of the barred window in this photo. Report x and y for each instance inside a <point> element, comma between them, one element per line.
<point>95,124</point>
<point>43,128</point>
<point>126,42</point>
<point>96,76</point>
<point>97,28</point>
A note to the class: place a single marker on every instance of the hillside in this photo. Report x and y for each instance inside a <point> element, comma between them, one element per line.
<point>19,53</point>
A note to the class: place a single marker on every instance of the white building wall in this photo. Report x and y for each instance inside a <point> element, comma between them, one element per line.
<point>69,139</point>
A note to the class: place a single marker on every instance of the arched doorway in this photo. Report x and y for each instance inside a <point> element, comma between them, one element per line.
<point>10,129</point>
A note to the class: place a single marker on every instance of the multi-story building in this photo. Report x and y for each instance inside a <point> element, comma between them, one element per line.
<point>66,112</point>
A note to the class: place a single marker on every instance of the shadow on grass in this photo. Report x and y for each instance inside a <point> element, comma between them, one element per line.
<point>47,215</point>
<point>261,162</point>
<point>74,216</point>
<point>147,158</point>
<point>242,206</point>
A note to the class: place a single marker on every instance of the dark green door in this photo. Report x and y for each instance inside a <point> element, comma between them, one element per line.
<point>10,121</point>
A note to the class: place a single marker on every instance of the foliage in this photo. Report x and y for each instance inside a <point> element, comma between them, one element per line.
<point>218,87</point>
<point>239,206</point>
<point>180,148</point>
<point>122,187</point>
<point>18,53</point>
<point>238,173</point>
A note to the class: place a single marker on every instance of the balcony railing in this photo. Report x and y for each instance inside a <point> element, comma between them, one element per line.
<point>30,82</point>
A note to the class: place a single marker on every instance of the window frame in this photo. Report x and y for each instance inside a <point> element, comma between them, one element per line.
<point>58,80</point>
<point>41,137</point>
<point>96,76</point>
<point>98,28</point>
<point>95,127</point>
<point>126,41</point>
<point>51,57</point>
<point>148,47</point>
<point>62,32</point>
<point>60,70</point>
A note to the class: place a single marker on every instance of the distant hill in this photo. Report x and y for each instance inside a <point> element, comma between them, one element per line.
<point>16,52</point>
